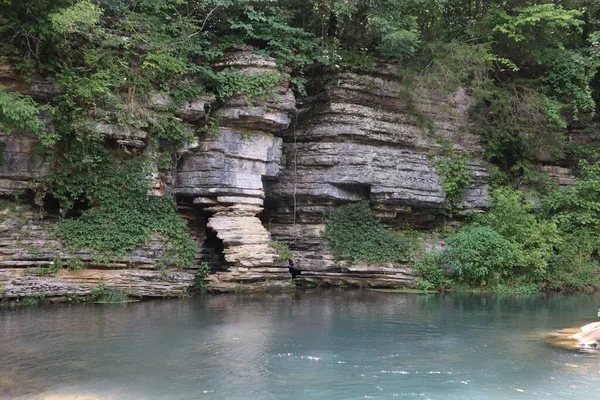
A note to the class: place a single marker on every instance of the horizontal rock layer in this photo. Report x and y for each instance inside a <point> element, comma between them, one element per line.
<point>368,138</point>
<point>29,253</point>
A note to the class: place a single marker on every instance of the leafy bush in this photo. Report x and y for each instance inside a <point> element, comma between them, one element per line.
<point>79,17</point>
<point>479,256</point>
<point>201,277</point>
<point>517,125</point>
<point>101,294</point>
<point>121,215</point>
<point>356,234</point>
<point>433,276</point>
<point>577,206</point>
<point>20,113</point>
<point>575,268</point>
<point>534,239</point>
<point>452,166</point>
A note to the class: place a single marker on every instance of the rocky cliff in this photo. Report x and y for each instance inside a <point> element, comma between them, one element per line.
<point>271,170</point>
<point>362,138</point>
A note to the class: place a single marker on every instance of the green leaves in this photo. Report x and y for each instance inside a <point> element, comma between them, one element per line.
<point>512,245</point>
<point>355,234</point>
<point>479,256</point>
<point>577,207</point>
<point>542,22</point>
<point>80,17</point>
<point>118,214</point>
<point>452,166</point>
<point>250,86</point>
<point>534,238</point>
<point>20,114</point>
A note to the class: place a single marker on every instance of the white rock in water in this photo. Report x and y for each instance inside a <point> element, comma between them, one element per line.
<point>589,335</point>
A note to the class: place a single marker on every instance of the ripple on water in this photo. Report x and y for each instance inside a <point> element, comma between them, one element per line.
<point>326,345</point>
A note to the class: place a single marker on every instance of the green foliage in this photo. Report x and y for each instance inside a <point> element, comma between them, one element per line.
<point>522,251</point>
<point>283,251</point>
<point>577,207</point>
<point>355,234</point>
<point>75,264</point>
<point>79,17</point>
<point>538,39</point>
<point>518,125</point>
<point>100,294</point>
<point>479,256</point>
<point>545,22</point>
<point>355,61</point>
<point>575,268</point>
<point>53,268</point>
<point>250,86</point>
<point>433,276</point>
<point>201,278</point>
<point>399,34</point>
<point>121,215</point>
<point>452,166</point>
<point>30,301</point>
<point>20,113</point>
<point>534,239</point>
<point>444,67</point>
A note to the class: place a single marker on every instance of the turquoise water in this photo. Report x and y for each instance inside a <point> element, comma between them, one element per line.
<point>303,345</point>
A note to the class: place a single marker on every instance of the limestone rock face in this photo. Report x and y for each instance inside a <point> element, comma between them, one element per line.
<point>19,164</point>
<point>224,174</point>
<point>34,86</point>
<point>272,169</point>
<point>368,138</point>
<point>269,113</point>
<point>562,176</point>
<point>29,253</point>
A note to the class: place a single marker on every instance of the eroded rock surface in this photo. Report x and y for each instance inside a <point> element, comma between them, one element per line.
<point>271,169</point>
<point>367,138</point>
<point>30,252</point>
<point>224,175</point>
<point>19,164</point>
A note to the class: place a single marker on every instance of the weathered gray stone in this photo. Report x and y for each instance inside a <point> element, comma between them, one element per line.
<point>20,283</point>
<point>269,113</point>
<point>19,164</point>
<point>193,111</point>
<point>29,251</point>
<point>562,176</point>
<point>118,131</point>
<point>363,138</point>
<point>33,86</point>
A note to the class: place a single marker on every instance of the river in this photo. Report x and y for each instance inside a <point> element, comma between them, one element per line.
<point>319,344</point>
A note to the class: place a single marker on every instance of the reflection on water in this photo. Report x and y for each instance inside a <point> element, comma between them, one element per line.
<point>304,345</point>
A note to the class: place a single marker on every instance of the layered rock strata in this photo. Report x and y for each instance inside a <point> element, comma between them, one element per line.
<point>368,138</point>
<point>257,176</point>
<point>224,175</point>
<point>19,164</point>
<point>30,252</point>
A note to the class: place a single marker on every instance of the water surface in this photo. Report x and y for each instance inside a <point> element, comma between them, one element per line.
<point>303,345</point>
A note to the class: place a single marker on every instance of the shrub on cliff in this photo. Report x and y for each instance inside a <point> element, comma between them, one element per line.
<point>356,234</point>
